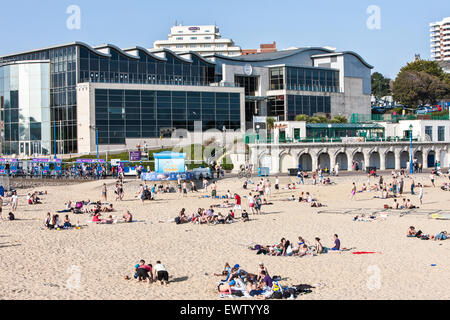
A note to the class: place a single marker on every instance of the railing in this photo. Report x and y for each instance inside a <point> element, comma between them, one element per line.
<point>255,139</point>
<point>364,118</point>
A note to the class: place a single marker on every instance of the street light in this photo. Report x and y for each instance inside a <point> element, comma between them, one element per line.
<point>411,169</point>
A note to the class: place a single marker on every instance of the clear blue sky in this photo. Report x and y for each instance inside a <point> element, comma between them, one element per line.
<point>404,29</point>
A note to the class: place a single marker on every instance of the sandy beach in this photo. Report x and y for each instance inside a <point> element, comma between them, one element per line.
<point>45,264</point>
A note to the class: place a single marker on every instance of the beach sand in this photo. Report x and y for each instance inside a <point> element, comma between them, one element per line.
<point>43,264</point>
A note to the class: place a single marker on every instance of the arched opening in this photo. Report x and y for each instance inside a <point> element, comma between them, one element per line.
<point>305,162</point>
<point>342,161</point>
<point>374,160</point>
<point>286,163</point>
<point>419,156</point>
<point>431,159</point>
<point>443,159</point>
<point>266,161</point>
<point>324,161</point>
<point>390,160</point>
<point>404,159</point>
<point>358,159</point>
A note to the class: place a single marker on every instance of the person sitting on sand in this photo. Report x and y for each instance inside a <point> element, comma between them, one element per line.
<point>48,221</point>
<point>127,217</point>
<point>318,247</point>
<point>55,222</point>
<point>67,224</point>
<point>11,216</point>
<point>143,272</point>
<point>245,217</point>
<point>337,243</point>
<point>96,217</point>
<point>413,233</point>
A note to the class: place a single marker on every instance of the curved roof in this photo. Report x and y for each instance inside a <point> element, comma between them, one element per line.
<point>269,56</point>
<point>111,46</point>
<point>348,52</point>
<point>199,56</point>
<point>148,53</point>
<point>173,54</point>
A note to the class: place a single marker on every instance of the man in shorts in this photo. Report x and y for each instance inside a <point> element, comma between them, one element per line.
<point>237,206</point>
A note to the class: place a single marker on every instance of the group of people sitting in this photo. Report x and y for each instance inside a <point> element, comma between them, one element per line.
<point>413,233</point>
<point>127,218</point>
<point>32,198</point>
<point>209,217</point>
<point>306,197</point>
<point>286,248</point>
<point>146,272</point>
<point>80,207</point>
<point>406,204</point>
<point>54,222</point>
<point>259,285</point>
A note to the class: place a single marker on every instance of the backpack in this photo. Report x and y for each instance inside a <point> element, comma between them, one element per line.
<point>177,220</point>
<point>277,295</point>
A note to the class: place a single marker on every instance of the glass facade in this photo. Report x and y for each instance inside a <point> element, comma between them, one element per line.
<point>309,105</point>
<point>77,63</point>
<point>312,79</point>
<point>276,78</point>
<point>122,114</point>
<point>25,108</point>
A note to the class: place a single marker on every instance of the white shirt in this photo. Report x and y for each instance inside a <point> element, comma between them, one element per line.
<point>159,267</point>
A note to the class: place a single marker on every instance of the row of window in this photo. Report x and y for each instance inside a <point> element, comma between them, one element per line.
<point>304,79</point>
<point>308,105</point>
<point>440,131</point>
<point>122,114</point>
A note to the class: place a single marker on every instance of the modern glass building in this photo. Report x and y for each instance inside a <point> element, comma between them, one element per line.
<point>25,107</point>
<point>119,113</point>
<point>307,81</point>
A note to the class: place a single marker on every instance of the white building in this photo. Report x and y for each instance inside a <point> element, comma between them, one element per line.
<point>202,39</point>
<point>440,40</point>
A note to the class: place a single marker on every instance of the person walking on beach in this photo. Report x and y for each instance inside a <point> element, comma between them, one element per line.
<point>14,202</point>
<point>277,183</point>
<point>353,191</point>
<point>412,187</point>
<point>432,180</point>
<point>184,189</point>
<point>1,207</point>
<point>237,206</point>
<point>104,193</point>
<point>214,190</point>
<point>420,193</point>
<point>251,202</point>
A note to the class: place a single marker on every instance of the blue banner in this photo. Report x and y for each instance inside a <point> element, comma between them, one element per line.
<point>172,176</point>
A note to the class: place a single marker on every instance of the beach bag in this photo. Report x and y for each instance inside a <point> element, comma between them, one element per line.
<point>177,220</point>
<point>277,295</point>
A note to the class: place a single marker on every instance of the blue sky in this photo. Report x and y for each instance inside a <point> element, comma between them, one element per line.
<point>342,24</point>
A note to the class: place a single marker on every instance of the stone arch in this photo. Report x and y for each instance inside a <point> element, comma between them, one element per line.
<point>305,161</point>
<point>286,162</point>
<point>323,160</point>
<point>404,159</point>
<point>374,160</point>
<point>342,160</point>
<point>390,160</point>
<point>419,156</point>
<point>431,158</point>
<point>358,156</point>
<point>265,160</point>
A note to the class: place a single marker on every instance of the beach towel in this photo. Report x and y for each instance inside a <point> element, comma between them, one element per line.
<point>363,252</point>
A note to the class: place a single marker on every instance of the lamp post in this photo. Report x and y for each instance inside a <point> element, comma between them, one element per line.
<point>411,168</point>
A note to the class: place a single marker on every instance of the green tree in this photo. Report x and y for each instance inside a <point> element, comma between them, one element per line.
<point>430,67</point>
<point>302,117</point>
<point>270,122</point>
<point>418,87</point>
<point>339,119</point>
<point>380,85</point>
